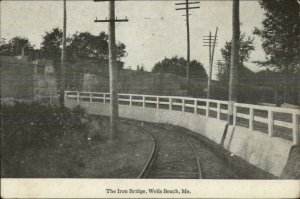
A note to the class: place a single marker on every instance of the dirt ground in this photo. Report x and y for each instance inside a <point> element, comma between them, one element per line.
<point>34,147</point>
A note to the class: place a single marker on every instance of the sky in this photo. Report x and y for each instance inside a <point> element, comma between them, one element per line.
<point>154,31</point>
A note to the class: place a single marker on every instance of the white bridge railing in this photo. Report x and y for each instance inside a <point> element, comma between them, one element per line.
<point>275,121</point>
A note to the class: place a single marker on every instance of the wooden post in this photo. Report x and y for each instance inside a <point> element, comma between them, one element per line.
<point>144,101</point>
<point>187,14</point>
<point>207,108</point>
<point>78,98</point>
<point>251,118</point>
<point>170,103</point>
<point>63,55</point>
<point>113,82</point>
<point>209,69</point>
<point>234,115</point>
<point>270,123</point>
<point>211,58</point>
<point>195,106</point>
<point>295,129</point>
<point>183,105</point>
<point>235,47</point>
<point>218,111</point>
<point>91,98</point>
<point>188,45</point>
<point>157,102</point>
<point>130,100</point>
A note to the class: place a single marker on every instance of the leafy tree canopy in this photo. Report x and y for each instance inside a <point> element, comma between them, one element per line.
<point>14,46</point>
<point>177,66</point>
<point>51,44</point>
<point>79,45</point>
<point>280,34</point>
<point>246,47</point>
<point>84,44</point>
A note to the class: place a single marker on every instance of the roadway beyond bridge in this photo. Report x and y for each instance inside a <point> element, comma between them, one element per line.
<point>261,136</point>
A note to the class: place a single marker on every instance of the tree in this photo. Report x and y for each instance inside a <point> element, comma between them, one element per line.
<point>177,66</point>
<point>84,44</point>
<point>79,45</point>
<point>14,46</point>
<point>140,68</point>
<point>280,40</point>
<point>246,47</point>
<point>51,44</point>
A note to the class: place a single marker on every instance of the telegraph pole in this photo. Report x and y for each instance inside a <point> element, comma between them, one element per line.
<point>187,15</point>
<point>235,47</point>
<point>208,41</point>
<point>219,64</point>
<point>63,56</point>
<point>113,71</point>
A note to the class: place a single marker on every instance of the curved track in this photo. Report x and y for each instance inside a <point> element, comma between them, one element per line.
<point>145,170</point>
<point>178,154</point>
<point>174,156</point>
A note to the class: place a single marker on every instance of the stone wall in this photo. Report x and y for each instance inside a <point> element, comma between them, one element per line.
<point>21,79</point>
<point>138,83</point>
<point>45,83</point>
<point>16,78</point>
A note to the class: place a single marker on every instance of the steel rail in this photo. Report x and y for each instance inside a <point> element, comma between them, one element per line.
<point>199,172</point>
<point>154,150</point>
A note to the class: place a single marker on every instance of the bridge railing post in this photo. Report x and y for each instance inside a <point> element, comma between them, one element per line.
<point>183,105</point>
<point>104,98</point>
<point>270,123</point>
<point>207,108</point>
<point>157,102</point>
<point>295,129</point>
<point>170,103</point>
<point>195,106</point>
<point>251,118</point>
<point>234,114</point>
<point>91,98</point>
<point>218,110</point>
<point>144,101</point>
<point>78,97</point>
<point>130,100</point>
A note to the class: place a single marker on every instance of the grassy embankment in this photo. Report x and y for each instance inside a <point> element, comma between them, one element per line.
<point>53,142</point>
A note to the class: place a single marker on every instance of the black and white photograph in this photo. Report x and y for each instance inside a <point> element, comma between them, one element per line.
<point>150,98</point>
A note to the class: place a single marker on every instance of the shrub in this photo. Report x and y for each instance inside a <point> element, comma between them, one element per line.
<point>33,126</point>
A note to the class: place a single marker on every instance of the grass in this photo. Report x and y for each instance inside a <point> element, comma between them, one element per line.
<point>52,142</point>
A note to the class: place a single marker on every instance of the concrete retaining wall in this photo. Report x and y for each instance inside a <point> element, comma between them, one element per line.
<point>211,128</point>
<point>267,153</point>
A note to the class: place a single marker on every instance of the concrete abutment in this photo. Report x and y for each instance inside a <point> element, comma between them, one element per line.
<point>269,154</point>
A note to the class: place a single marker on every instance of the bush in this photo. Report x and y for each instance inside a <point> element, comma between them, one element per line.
<point>33,126</point>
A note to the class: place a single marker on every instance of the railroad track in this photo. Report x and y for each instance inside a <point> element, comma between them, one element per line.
<point>173,155</point>
<point>177,154</point>
<point>145,170</point>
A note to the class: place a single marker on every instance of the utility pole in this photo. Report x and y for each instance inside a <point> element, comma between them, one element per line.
<point>235,48</point>
<point>211,43</point>
<point>219,63</point>
<point>187,15</point>
<point>113,70</point>
<point>63,56</point>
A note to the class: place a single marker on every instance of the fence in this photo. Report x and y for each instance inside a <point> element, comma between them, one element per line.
<point>275,121</point>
